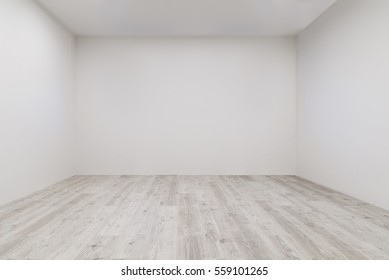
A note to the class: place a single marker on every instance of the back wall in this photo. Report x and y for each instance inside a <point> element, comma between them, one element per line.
<point>186,106</point>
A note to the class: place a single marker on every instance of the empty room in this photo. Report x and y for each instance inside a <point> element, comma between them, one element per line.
<point>194,130</point>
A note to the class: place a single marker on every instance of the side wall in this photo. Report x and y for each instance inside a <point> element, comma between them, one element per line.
<point>343,100</point>
<point>186,106</point>
<point>36,100</point>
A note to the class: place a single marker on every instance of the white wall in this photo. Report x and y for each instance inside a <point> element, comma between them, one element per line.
<point>186,106</point>
<point>343,100</point>
<point>36,99</point>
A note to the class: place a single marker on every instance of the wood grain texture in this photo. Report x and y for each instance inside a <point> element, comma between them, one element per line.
<point>192,217</point>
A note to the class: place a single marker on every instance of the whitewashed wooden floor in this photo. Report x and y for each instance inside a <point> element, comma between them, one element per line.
<point>192,217</point>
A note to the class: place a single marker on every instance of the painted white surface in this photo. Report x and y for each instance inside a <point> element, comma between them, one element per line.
<point>35,100</point>
<point>186,106</point>
<point>187,17</point>
<point>343,100</point>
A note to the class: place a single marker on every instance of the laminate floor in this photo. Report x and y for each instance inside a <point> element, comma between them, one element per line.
<point>192,217</point>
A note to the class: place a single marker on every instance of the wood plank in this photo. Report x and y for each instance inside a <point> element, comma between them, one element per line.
<point>192,217</point>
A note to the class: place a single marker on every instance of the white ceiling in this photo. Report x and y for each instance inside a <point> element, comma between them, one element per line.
<point>186,17</point>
